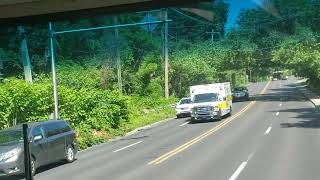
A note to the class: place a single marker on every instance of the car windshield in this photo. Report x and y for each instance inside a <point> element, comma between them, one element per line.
<point>185,101</point>
<point>240,89</point>
<point>209,97</point>
<point>10,136</point>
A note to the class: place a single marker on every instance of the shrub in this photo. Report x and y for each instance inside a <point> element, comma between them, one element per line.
<point>87,110</point>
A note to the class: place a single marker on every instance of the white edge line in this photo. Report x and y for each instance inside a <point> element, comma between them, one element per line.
<point>147,126</point>
<point>277,114</point>
<point>238,171</point>
<point>251,155</point>
<point>184,124</point>
<point>127,146</point>
<point>268,130</point>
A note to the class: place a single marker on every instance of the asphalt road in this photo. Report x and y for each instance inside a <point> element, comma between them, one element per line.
<point>274,136</point>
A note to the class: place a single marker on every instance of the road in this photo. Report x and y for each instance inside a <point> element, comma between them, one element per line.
<point>274,136</point>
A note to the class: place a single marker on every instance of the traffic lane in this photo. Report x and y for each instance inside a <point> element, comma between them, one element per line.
<point>291,150</point>
<point>254,90</point>
<point>94,155</point>
<point>127,140</point>
<point>215,156</point>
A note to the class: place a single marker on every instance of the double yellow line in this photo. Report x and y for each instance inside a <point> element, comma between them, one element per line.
<point>204,135</point>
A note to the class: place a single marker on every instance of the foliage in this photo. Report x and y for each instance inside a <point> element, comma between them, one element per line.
<point>76,76</point>
<point>300,53</point>
<point>94,109</point>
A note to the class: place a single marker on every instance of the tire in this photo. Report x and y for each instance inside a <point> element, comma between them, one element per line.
<point>230,113</point>
<point>178,116</point>
<point>33,167</point>
<point>70,155</point>
<point>220,116</point>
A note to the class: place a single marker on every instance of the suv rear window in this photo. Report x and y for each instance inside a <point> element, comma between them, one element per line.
<point>63,126</point>
<point>51,129</point>
<point>54,128</point>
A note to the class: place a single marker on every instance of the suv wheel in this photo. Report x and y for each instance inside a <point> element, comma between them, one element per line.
<point>70,154</point>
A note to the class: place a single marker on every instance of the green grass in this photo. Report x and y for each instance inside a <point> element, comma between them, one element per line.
<point>143,111</point>
<point>140,119</point>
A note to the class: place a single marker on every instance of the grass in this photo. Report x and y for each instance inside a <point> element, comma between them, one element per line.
<point>142,112</point>
<point>141,119</point>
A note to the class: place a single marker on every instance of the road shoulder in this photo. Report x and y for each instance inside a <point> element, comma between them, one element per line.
<point>311,96</point>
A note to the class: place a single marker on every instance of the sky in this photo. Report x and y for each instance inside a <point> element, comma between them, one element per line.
<point>235,8</point>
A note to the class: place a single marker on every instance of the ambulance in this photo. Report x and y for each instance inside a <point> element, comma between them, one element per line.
<point>211,101</point>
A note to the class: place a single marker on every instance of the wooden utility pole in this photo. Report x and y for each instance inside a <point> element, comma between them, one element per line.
<point>116,34</point>
<point>166,53</point>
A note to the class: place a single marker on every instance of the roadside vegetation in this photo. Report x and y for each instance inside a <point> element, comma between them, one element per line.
<point>264,41</point>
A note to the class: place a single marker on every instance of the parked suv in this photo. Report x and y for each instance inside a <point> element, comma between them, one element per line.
<point>50,141</point>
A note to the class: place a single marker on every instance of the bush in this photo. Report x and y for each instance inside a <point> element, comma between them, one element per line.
<point>89,111</point>
<point>96,115</point>
<point>22,102</point>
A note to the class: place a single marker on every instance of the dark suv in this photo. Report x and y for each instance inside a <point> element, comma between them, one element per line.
<point>241,93</point>
<point>50,141</point>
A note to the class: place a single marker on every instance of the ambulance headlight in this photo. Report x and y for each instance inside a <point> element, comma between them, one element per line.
<point>216,108</point>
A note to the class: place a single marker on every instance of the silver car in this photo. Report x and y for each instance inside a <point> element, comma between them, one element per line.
<point>183,108</point>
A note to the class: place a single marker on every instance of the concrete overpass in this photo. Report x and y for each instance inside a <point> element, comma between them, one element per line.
<point>30,11</point>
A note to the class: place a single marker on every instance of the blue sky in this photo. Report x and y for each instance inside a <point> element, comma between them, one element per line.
<point>235,7</point>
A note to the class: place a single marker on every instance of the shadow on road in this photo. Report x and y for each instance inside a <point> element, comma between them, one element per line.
<point>204,121</point>
<point>12,178</point>
<point>278,96</point>
<point>307,118</point>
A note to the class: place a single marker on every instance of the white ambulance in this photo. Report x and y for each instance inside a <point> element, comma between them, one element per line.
<point>211,101</point>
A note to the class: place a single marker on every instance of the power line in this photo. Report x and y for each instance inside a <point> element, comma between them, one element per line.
<point>190,17</point>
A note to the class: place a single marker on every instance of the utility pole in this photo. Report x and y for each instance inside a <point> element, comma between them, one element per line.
<point>24,55</point>
<point>166,53</point>
<point>116,34</point>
